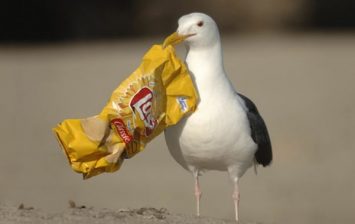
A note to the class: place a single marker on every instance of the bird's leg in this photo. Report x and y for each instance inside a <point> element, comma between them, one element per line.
<point>198,193</point>
<point>236,197</point>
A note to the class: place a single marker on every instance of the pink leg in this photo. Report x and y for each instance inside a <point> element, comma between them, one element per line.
<point>236,197</point>
<point>198,194</point>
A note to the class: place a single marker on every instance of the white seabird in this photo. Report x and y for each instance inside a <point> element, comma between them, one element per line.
<point>226,132</point>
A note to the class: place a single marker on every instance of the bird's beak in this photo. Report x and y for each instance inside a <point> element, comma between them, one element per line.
<point>175,38</point>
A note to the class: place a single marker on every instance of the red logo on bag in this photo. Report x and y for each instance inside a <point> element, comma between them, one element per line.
<point>122,130</point>
<point>142,102</point>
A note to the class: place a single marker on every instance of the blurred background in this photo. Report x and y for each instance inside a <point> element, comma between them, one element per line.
<point>64,20</point>
<point>294,58</point>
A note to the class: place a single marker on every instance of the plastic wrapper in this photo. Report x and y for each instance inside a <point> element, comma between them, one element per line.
<point>157,94</point>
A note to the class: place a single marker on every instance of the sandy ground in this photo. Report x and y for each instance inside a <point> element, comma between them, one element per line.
<point>303,85</point>
<point>30,215</point>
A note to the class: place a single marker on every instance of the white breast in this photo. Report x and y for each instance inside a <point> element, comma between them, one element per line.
<point>215,137</point>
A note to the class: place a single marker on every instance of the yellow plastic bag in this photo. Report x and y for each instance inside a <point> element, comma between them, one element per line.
<point>156,95</point>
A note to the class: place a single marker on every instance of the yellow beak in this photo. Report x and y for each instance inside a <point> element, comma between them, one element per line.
<point>175,38</point>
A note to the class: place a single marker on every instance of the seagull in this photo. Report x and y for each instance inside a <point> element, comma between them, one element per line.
<point>226,132</point>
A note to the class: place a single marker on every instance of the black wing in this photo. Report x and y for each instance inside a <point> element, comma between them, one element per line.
<point>259,133</point>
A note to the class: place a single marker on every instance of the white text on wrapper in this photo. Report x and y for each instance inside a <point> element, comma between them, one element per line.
<point>142,102</point>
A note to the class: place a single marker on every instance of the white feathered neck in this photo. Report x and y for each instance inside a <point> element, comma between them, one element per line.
<point>207,70</point>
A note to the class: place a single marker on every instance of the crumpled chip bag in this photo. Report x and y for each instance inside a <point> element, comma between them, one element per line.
<point>156,95</point>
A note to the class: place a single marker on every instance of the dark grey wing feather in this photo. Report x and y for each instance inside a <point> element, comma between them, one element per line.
<point>259,133</point>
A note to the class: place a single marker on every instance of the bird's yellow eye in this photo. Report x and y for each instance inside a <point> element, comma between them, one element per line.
<point>200,23</point>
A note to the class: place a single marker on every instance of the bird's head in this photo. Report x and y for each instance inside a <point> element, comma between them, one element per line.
<point>198,30</point>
